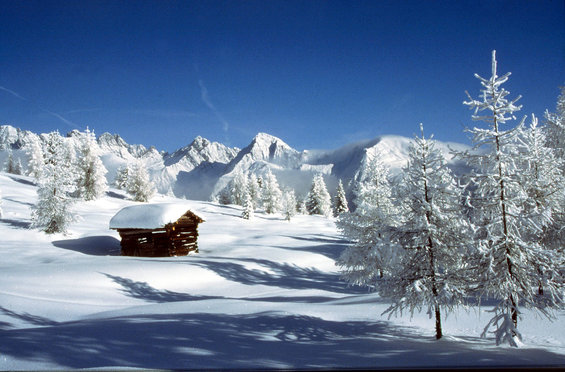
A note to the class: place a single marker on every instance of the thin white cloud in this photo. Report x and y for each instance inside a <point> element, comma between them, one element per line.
<point>206,99</point>
<point>62,118</point>
<point>13,93</point>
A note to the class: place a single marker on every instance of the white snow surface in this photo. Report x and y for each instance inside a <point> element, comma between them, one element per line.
<point>261,294</point>
<point>148,216</point>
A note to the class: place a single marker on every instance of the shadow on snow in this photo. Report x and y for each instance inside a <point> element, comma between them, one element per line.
<point>261,340</point>
<point>102,245</point>
<point>281,275</point>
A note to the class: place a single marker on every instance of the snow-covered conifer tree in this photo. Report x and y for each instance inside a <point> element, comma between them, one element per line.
<point>18,167</point>
<point>544,184</point>
<point>372,251</point>
<point>271,193</point>
<point>139,186</point>
<point>555,127</point>
<point>36,162</point>
<point>340,201</point>
<point>288,204</point>
<point>301,205</point>
<point>248,208</point>
<point>505,262</point>
<point>52,212</point>
<point>238,188</point>
<point>255,190</point>
<point>121,179</point>
<point>92,182</point>
<point>433,236</point>
<point>9,166</point>
<point>318,200</point>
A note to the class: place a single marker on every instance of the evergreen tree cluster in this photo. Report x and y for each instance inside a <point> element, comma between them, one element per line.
<point>65,170</point>
<point>429,242</point>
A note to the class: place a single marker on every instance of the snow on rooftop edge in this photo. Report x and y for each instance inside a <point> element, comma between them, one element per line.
<point>148,216</point>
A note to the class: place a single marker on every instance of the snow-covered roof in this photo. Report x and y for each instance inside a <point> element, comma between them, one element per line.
<point>148,216</point>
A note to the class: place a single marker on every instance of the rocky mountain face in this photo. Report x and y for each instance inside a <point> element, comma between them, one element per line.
<point>203,168</point>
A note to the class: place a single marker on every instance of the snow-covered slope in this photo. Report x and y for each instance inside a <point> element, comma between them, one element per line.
<point>261,294</point>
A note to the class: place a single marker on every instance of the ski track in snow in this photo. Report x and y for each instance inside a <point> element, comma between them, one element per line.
<point>263,293</point>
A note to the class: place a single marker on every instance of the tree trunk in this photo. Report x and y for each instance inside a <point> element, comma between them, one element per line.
<point>438,323</point>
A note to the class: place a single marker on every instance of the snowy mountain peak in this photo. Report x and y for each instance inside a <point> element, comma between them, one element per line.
<point>201,150</point>
<point>14,138</point>
<point>266,147</point>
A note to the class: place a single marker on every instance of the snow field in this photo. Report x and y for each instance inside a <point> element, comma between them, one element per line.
<point>262,293</point>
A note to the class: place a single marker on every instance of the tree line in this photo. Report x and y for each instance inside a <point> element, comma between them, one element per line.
<point>431,240</point>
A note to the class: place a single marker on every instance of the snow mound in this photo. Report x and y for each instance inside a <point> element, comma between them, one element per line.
<point>148,216</point>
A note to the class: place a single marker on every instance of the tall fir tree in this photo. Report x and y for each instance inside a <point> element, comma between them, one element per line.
<point>505,259</point>
<point>9,165</point>
<point>372,252</point>
<point>544,183</point>
<point>555,127</point>
<point>92,182</point>
<point>318,200</point>
<point>52,213</point>
<point>139,186</point>
<point>122,176</point>
<point>18,167</point>
<point>340,201</point>
<point>271,193</point>
<point>255,191</point>
<point>238,188</point>
<point>36,161</point>
<point>288,204</point>
<point>433,236</point>
<point>248,207</point>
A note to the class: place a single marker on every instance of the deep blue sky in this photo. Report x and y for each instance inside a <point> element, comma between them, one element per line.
<point>317,74</point>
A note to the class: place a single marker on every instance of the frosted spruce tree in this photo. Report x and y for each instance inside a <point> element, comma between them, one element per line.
<point>372,251</point>
<point>288,204</point>
<point>9,165</point>
<point>122,176</point>
<point>505,260</point>
<point>36,162</point>
<point>433,235</point>
<point>238,188</point>
<point>248,207</point>
<point>255,190</point>
<point>318,200</point>
<point>340,200</point>
<point>92,182</point>
<point>139,186</point>
<point>272,193</point>
<point>555,127</point>
<point>52,213</point>
<point>544,184</point>
<point>18,169</point>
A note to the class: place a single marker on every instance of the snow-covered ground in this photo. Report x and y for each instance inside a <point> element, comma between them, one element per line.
<point>263,293</point>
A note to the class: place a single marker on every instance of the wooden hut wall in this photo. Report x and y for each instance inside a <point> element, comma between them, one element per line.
<point>175,239</point>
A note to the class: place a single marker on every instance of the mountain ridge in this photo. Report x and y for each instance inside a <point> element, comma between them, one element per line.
<point>202,169</point>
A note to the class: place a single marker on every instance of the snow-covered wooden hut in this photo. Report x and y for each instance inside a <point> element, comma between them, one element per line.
<point>157,230</point>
